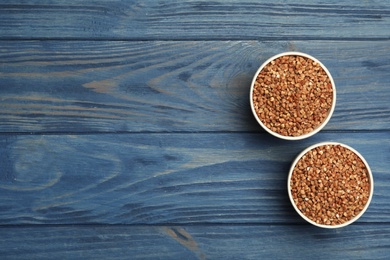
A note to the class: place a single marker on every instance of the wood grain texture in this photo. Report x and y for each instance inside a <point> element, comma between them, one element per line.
<point>195,242</point>
<point>165,178</point>
<point>173,20</point>
<point>68,86</point>
<point>126,133</point>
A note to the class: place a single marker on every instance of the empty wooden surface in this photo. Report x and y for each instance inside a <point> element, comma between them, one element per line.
<point>126,131</point>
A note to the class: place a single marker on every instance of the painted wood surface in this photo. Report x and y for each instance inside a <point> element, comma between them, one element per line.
<point>62,86</point>
<point>165,178</point>
<point>126,133</point>
<point>195,242</point>
<point>172,20</point>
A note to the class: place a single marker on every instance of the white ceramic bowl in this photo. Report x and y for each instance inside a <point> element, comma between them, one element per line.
<point>318,127</point>
<point>370,177</point>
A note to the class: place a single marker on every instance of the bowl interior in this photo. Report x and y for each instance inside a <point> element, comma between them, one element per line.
<point>315,130</point>
<point>369,175</point>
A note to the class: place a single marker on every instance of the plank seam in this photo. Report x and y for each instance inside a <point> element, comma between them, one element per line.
<point>179,132</point>
<point>177,224</point>
<point>208,39</point>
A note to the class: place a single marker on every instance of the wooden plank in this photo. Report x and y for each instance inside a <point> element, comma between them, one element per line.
<point>148,19</point>
<point>57,86</point>
<point>195,242</point>
<point>165,178</point>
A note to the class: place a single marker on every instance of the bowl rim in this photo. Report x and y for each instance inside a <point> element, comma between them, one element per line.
<point>370,176</point>
<point>317,129</point>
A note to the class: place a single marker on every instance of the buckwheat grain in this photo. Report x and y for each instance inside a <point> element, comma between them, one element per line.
<point>330,184</point>
<point>292,95</point>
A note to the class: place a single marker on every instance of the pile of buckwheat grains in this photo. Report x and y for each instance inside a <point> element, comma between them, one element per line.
<point>292,95</point>
<point>330,184</point>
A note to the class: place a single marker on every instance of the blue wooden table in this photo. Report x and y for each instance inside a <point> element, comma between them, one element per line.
<point>126,131</point>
